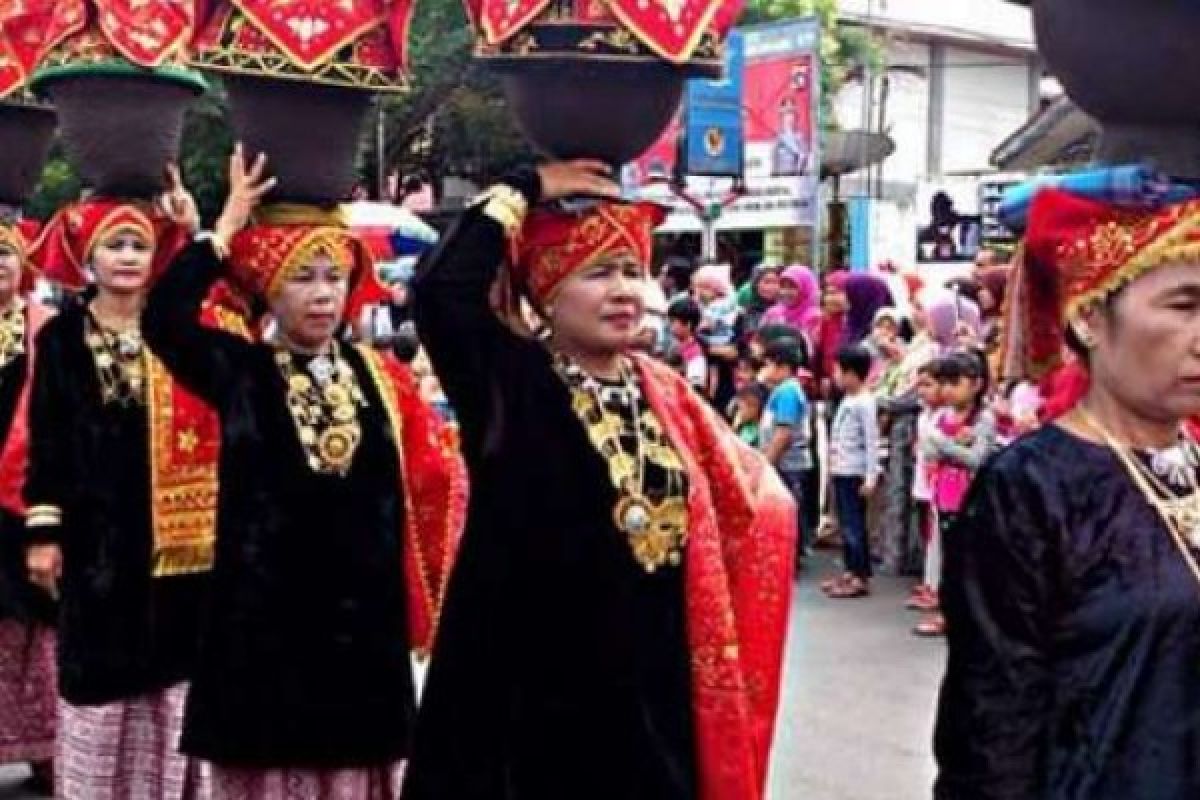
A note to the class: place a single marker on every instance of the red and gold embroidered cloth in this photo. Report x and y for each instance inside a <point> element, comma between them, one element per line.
<point>1077,252</point>
<point>738,583</point>
<point>348,42</point>
<point>433,482</point>
<point>148,34</point>
<point>670,28</point>
<point>553,245</point>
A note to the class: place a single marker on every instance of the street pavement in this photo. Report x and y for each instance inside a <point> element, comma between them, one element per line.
<point>858,701</point>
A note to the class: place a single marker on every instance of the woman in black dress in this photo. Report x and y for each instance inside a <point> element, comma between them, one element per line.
<point>1072,592</point>
<point>121,496</point>
<point>341,499</point>
<point>614,624</point>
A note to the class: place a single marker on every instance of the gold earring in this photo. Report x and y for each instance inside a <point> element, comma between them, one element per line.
<point>1085,335</point>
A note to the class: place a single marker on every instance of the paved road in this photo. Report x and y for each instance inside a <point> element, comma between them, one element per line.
<point>858,702</point>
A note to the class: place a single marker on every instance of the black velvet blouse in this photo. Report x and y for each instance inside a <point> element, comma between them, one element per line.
<point>1074,636</point>
<point>561,668</point>
<point>122,632</point>
<point>305,654</point>
<point>15,593</point>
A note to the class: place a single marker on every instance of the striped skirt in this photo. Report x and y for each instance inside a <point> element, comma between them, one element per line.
<point>378,783</point>
<point>28,692</point>
<point>127,750</point>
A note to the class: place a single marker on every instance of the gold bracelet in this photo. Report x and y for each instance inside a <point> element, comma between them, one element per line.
<point>44,516</point>
<point>506,206</point>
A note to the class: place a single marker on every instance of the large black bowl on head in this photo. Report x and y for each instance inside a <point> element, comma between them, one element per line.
<point>25,134</point>
<point>309,133</point>
<point>1134,66</point>
<point>573,108</point>
<point>121,126</point>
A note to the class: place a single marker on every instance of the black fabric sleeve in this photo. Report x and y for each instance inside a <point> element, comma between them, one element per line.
<point>993,731</point>
<point>48,476</point>
<point>455,321</point>
<point>203,359</point>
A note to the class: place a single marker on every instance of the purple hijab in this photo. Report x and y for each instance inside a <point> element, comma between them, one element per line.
<point>804,313</point>
<point>866,294</point>
<point>942,318</point>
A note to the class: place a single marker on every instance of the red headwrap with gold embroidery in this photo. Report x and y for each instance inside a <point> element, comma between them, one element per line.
<point>66,245</point>
<point>265,254</point>
<point>554,245</point>
<point>1078,252</point>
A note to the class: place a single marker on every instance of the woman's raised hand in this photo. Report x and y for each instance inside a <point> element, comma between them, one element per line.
<point>248,185</point>
<point>177,202</point>
<point>582,176</point>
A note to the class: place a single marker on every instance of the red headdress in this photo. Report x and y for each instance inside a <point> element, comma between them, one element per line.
<point>1078,252</point>
<point>65,247</point>
<point>285,238</point>
<point>20,237</point>
<point>555,245</point>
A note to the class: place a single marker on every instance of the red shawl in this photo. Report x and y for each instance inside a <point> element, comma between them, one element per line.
<point>739,565</point>
<point>433,482</point>
<point>14,457</point>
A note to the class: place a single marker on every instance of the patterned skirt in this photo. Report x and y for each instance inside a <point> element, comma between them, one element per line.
<point>28,693</point>
<point>128,751</point>
<point>378,783</point>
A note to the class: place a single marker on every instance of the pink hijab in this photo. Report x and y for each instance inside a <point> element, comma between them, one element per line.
<point>803,313</point>
<point>943,317</point>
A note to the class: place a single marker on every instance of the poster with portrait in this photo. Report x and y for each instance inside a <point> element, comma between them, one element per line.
<point>780,88</point>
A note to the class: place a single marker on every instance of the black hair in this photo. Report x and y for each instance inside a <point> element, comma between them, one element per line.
<point>756,390</point>
<point>929,368</point>
<point>856,360</point>
<point>969,364</point>
<point>786,352</point>
<point>686,311</point>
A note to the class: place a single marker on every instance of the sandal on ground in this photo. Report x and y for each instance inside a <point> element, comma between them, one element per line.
<point>830,584</point>
<point>855,587</point>
<point>931,627</point>
<point>923,602</point>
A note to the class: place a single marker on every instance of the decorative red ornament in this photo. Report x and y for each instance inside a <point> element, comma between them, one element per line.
<point>356,43</point>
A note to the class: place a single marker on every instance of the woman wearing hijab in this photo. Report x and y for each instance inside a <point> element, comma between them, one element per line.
<point>865,296</point>
<point>759,294</point>
<point>799,305</point>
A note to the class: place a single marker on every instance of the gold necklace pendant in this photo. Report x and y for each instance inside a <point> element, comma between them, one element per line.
<point>323,401</point>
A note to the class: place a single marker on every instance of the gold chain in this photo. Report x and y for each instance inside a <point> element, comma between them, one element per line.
<point>120,359</point>
<point>656,531</point>
<point>12,333</point>
<point>324,401</point>
<point>1173,514</point>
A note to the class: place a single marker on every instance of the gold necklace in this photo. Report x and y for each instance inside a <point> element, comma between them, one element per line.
<point>120,360</point>
<point>12,333</point>
<point>1179,514</point>
<point>323,401</point>
<point>656,531</point>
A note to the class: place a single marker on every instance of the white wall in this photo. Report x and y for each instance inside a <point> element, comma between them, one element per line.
<point>994,20</point>
<point>987,98</point>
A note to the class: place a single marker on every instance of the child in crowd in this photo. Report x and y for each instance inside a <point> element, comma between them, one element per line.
<point>748,413</point>
<point>854,465</point>
<point>786,429</point>
<point>925,595</point>
<point>961,439</point>
<point>684,316</point>
<point>719,310</point>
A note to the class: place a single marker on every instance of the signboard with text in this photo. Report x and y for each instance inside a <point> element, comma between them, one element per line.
<point>780,90</point>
